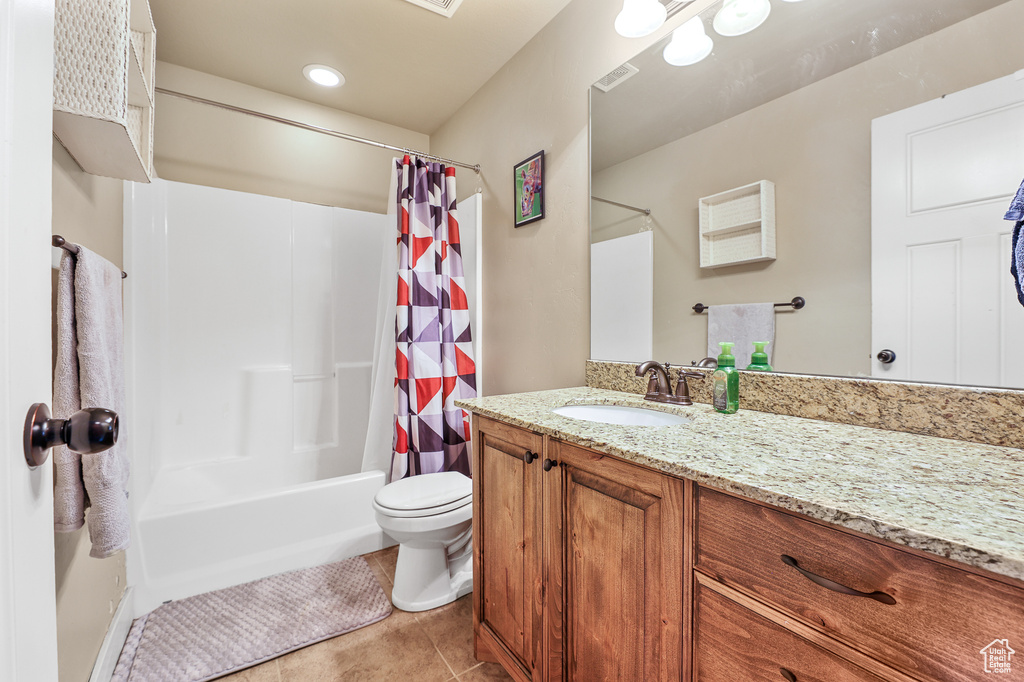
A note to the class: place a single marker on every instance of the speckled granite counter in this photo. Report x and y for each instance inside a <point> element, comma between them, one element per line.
<point>960,500</point>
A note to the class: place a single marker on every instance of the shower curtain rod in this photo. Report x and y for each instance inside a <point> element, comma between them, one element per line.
<point>317,129</point>
<point>645,211</point>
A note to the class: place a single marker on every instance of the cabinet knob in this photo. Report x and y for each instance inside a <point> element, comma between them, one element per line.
<point>549,464</point>
<point>886,356</point>
<point>787,675</point>
<point>528,457</point>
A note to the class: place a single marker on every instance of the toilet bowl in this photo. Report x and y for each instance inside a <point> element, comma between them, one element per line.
<point>431,518</point>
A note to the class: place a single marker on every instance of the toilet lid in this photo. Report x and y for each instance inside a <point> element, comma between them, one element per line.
<point>426,492</point>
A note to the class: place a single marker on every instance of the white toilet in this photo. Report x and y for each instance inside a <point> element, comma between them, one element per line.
<point>431,517</point>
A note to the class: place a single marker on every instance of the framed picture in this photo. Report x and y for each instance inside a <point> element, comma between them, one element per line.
<point>529,189</point>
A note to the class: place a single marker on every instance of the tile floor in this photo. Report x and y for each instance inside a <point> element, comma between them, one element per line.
<point>405,647</point>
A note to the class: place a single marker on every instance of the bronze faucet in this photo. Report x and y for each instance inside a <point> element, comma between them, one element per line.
<point>663,393</point>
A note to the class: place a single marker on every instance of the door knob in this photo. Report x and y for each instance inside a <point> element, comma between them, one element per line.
<point>886,356</point>
<point>93,429</point>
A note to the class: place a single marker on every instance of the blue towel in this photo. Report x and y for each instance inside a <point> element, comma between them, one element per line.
<point>1016,212</point>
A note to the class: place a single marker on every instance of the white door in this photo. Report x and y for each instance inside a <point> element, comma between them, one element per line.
<point>942,176</point>
<point>28,630</point>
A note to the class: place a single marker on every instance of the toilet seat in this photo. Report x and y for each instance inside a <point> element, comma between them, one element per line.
<point>424,495</point>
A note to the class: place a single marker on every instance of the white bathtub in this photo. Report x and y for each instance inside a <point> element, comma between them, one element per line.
<point>205,528</point>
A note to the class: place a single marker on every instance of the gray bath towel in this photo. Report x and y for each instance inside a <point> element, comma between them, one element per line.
<point>90,373</point>
<point>741,324</point>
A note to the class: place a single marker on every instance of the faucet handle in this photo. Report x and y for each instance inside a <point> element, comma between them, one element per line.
<point>682,396</point>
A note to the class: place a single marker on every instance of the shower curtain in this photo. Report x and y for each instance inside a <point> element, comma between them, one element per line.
<point>434,350</point>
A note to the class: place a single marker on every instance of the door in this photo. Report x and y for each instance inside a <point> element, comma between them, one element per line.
<point>507,539</point>
<point>28,631</point>
<point>623,586</point>
<point>942,176</point>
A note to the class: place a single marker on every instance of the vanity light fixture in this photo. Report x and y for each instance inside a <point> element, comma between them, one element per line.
<point>323,75</point>
<point>689,44</point>
<point>741,16</point>
<point>639,18</point>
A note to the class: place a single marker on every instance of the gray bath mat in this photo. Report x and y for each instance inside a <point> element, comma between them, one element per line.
<point>218,633</point>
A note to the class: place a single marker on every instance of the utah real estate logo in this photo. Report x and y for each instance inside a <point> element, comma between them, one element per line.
<point>997,656</point>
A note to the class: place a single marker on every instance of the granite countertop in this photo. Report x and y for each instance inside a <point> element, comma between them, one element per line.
<point>960,500</point>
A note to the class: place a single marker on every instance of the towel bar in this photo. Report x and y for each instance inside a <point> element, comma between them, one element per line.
<point>797,303</point>
<point>60,242</point>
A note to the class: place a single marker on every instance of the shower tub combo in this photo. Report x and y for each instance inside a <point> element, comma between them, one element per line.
<point>250,328</point>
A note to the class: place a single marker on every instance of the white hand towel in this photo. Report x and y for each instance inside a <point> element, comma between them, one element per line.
<point>90,373</point>
<point>742,325</point>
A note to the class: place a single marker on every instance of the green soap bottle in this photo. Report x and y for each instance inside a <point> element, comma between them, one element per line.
<point>759,359</point>
<point>726,381</point>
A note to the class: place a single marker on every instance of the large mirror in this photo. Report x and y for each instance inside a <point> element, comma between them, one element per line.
<point>794,103</point>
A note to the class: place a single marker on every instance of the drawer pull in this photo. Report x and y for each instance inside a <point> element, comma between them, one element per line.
<point>529,457</point>
<point>836,587</point>
<point>788,675</point>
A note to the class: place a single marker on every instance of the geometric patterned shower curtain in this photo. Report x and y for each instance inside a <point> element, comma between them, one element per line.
<point>434,359</point>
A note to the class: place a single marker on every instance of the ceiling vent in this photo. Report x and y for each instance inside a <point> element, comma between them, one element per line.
<point>443,7</point>
<point>615,77</point>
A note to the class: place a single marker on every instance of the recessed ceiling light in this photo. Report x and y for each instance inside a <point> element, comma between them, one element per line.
<point>323,75</point>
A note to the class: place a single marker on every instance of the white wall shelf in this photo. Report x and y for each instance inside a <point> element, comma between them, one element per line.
<point>738,225</point>
<point>103,97</point>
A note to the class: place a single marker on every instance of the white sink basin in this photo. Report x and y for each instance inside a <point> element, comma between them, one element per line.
<point>620,415</point>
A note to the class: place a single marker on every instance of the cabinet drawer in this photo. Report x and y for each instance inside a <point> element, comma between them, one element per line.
<point>940,619</point>
<point>733,643</point>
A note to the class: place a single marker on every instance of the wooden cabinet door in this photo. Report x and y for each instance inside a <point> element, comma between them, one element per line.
<point>507,540</point>
<point>623,569</point>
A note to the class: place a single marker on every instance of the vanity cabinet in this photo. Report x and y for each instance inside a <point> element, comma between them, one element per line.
<point>874,602</point>
<point>578,561</point>
<point>588,567</point>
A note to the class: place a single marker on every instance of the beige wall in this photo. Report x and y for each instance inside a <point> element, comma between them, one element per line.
<point>815,146</point>
<point>86,210</point>
<point>536,279</point>
<point>203,145</point>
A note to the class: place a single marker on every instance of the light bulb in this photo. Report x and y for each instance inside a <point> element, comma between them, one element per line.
<point>323,75</point>
<point>689,44</point>
<point>741,16</point>
<point>639,18</point>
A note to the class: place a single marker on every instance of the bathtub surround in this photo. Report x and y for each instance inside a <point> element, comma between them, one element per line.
<point>434,362</point>
<point>974,414</point>
<point>214,634</point>
<point>250,324</point>
<point>90,372</point>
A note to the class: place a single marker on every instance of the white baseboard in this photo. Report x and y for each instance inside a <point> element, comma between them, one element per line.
<point>117,633</point>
